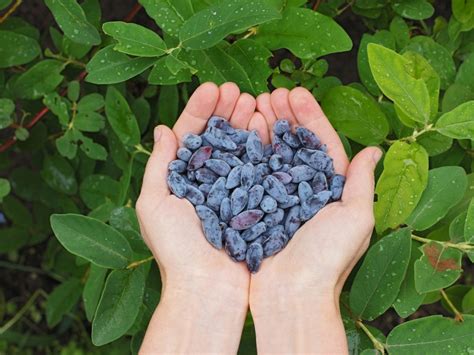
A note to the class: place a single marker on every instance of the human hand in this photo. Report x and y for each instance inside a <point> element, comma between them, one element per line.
<point>202,287</point>
<point>304,281</point>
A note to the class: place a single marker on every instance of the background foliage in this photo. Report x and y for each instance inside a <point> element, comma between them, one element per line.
<point>80,95</point>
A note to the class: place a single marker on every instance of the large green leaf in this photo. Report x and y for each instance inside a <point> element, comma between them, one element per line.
<point>96,189</point>
<point>4,188</point>
<point>383,38</point>
<point>161,75</point>
<point>109,66</point>
<point>434,142</point>
<point>401,184</point>
<point>466,72</point>
<point>71,19</point>
<point>355,115</point>
<point>121,117</point>
<point>379,278</point>
<point>446,187</point>
<point>306,33</point>
<point>253,57</point>
<point>61,301</point>
<point>92,240</point>
<point>17,49</point>
<point>458,123</point>
<point>168,14</point>
<point>93,289</point>
<point>124,219</point>
<point>432,335</point>
<point>168,102</point>
<point>409,299</point>
<point>119,305</point>
<point>7,107</point>
<point>413,9</point>
<point>390,72</point>
<point>439,267</point>
<point>39,80</point>
<point>208,27</point>
<point>134,39</point>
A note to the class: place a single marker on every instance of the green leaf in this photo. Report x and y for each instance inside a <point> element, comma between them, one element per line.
<point>292,31</point>
<point>4,4</point>
<point>134,39</point>
<point>208,27</point>
<point>17,212</point>
<point>469,224</point>
<point>39,80</point>
<point>169,15</point>
<point>383,38</point>
<point>400,31</point>
<point>121,117</point>
<point>419,68</point>
<point>468,302</point>
<point>7,107</point>
<point>91,102</point>
<point>93,289</point>
<point>161,75</point>
<point>67,144</point>
<point>142,111</point>
<point>92,149</point>
<point>89,121</point>
<point>73,90</point>
<point>401,184</point>
<point>456,228</point>
<point>439,267</point>
<point>4,188</point>
<point>446,187</point>
<point>432,335</point>
<point>438,56</point>
<point>466,72</point>
<point>17,49</point>
<point>408,299</point>
<point>21,133</point>
<point>73,22</point>
<point>390,72</point>
<point>92,240</point>
<point>59,106</point>
<point>59,175</point>
<point>119,305</point>
<point>434,143</point>
<point>215,65</point>
<point>61,300</point>
<point>97,189</point>
<point>109,66</point>
<point>458,123</point>
<point>413,9</point>
<point>356,115</point>
<point>253,57</point>
<point>379,278</point>
<point>168,105</point>
<point>124,219</point>
<point>455,95</point>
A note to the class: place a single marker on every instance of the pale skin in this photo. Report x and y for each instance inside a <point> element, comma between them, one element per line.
<point>294,298</point>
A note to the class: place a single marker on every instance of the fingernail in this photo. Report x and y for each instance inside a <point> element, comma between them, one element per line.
<point>157,134</point>
<point>377,155</point>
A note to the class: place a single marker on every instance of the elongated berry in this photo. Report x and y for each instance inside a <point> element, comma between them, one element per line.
<point>282,149</point>
<point>261,170</point>
<point>307,138</point>
<point>254,232</point>
<point>275,188</point>
<point>290,202</point>
<point>194,195</point>
<point>217,193</point>
<point>292,221</point>
<point>238,200</point>
<point>284,178</point>
<point>268,204</point>
<point>177,184</point>
<point>301,173</point>
<point>254,147</point>
<point>319,182</point>
<point>233,179</point>
<point>220,167</point>
<point>280,127</point>
<point>199,157</point>
<point>246,219</point>
<point>219,139</point>
<point>274,243</point>
<point>235,246</point>
<point>184,154</point>
<point>213,231</point>
<point>254,257</point>
<point>336,186</point>
<point>247,176</point>
<point>225,211</point>
<point>273,219</point>
<point>206,176</point>
<point>192,141</point>
<point>305,191</point>
<point>276,162</point>
<point>255,196</point>
<point>177,165</point>
<point>291,139</point>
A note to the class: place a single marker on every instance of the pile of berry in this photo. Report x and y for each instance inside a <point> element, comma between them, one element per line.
<point>252,198</point>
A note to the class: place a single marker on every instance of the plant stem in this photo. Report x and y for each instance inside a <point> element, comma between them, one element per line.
<point>425,28</point>
<point>345,7</point>
<point>66,60</point>
<point>414,136</point>
<point>25,268</point>
<point>458,316</point>
<point>251,32</point>
<point>23,310</point>
<point>316,5</point>
<point>142,149</point>
<point>139,262</point>
<point>460,246</point>
<point>10,11</point>
<point>377,344</point>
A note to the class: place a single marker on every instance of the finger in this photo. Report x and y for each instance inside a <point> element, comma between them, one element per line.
<point>228,96</point>
<point>281,105</point>
<point>310,115</point>
<point>200,107</point>
<point>258,123</point>
<point>243,111</point>
<point>164,151</point>
<point>360,183</point>
<point>264,106</point>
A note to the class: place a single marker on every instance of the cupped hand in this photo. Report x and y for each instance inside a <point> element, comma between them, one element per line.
<point>169,225</point>
<point>321,254</point>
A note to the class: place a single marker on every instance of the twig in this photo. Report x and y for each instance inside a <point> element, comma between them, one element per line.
<point>27,268</point>
<point>316,5</point>
<point>133,13</point>
<point>377,344</point>
<point>10,11</point>
<point>460,246</point>
<point>139,262</point>
<point>457,315</point>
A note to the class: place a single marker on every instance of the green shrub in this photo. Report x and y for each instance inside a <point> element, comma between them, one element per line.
<point>78,103</point>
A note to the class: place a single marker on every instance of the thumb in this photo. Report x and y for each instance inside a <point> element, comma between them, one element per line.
<point>164,151</point>
<point>360,177</point>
